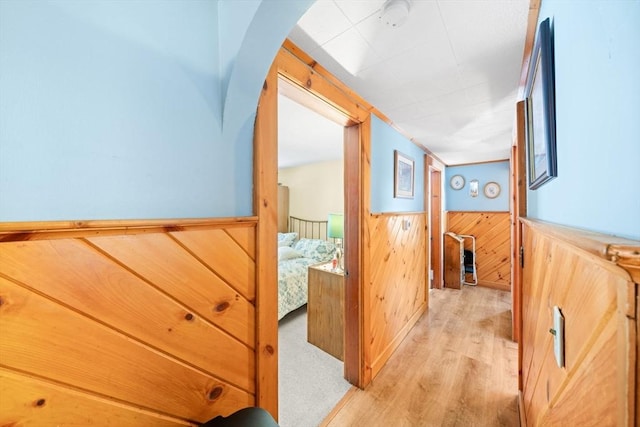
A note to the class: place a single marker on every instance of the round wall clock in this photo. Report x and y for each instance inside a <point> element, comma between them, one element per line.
<point>492,190</point>
<point>456,182</point>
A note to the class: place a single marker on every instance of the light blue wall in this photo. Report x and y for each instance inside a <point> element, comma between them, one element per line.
<point>597,86</point>
<point>384,140</point>
<point>132,109</point>
<point>460,200</point>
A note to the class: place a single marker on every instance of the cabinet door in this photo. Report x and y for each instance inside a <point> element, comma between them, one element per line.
<point>283,208</point>
<point>453,258</point>
<point>325,311</point>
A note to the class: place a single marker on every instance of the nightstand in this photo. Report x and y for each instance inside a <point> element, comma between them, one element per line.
<point>325,309</point>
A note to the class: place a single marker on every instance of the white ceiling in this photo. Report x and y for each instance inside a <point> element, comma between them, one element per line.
<point>305,136</point>
<point>447,77</point>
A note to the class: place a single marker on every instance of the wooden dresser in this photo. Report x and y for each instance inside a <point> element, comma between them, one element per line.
<point>325,309</point>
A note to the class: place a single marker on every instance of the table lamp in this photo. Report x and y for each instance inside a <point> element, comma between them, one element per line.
<point>335,230</point>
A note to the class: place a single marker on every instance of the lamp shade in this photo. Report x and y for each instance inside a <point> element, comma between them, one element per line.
<point>335,226</point>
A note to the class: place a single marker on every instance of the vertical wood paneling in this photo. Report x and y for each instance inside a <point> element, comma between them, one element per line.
<point>493,244</point>
<point>135,325</point>
<point>600,345</point>
<point>397,287</point>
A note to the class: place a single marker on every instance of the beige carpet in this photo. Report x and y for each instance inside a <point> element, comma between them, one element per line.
<point>311,381</point>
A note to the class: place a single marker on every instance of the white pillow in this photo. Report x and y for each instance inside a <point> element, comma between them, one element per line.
<point>320,250</point>
<point>286,239</point>
<point>287,252</point>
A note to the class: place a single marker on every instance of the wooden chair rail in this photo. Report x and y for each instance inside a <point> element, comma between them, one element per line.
<point>620,251</point>
<point>37,230</point>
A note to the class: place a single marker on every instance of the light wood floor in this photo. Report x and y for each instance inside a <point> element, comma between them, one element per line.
<point>457,367</point>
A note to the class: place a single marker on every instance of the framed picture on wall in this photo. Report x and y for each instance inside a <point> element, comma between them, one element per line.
<point>540,111</point>
<point>473,187</point>
<point>403,176</point>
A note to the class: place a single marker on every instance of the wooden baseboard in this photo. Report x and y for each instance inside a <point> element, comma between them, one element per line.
<point>494,285</point>
<point>341,404</point>
<point>382,359</point>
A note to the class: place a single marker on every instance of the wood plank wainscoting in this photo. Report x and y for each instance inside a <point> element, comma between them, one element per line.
<point>396,290</point>
<point>493,244</point>
<point>593,279</point>
<point>127,323</point>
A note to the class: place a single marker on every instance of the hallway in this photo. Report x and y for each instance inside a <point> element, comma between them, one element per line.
<point>457,367</point>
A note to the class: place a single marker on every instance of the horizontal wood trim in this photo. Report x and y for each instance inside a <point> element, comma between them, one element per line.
<point>321,85</point>
<point>481,163</point>
<point>478,212</point>
<point>618,250</point>
<point>20,231</point>
<point>494,285</point>
<point>292,49</point>
<point>290,90</point>
<point>590,241</point>
<point>383,214</point>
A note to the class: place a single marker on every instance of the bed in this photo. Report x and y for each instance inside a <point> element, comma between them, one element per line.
<point>305,244</point>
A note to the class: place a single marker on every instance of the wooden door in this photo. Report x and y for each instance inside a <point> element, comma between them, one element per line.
<point>453,271</point>
<point>436,226</point>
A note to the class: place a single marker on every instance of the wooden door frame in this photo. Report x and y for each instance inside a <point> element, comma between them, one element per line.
<point>518,207</point>
<point>352,148</point>
<point>435,232</point>
<point>337,103</point>
<point>518,210</point>
<point>302,72</point>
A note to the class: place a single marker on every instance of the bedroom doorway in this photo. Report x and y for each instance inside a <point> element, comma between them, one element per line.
<point>311,167</point>
<point>303,74</point>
